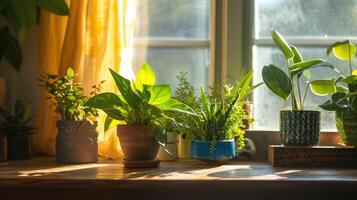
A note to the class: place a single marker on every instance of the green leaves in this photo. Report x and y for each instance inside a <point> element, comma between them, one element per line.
<point>10,48</point>
<point>25,11</point>
<point>70,73</point>
<point>177,106</point>
<point>323,87</point>
<point>145,76</point>
<point>343,50</point>
<point>277,81</point>
<point>282,44</point>
<point>58,7</point>
<point>159,94</point>
<point>243,88</point>
<point>298,68</point>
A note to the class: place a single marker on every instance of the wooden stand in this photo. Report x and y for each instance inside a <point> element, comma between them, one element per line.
<point>319,156</point>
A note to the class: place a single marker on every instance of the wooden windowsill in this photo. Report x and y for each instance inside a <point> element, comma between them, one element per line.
<point>42,177</point>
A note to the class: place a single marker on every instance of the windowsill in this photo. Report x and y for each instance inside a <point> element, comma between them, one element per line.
<point>183,179</point>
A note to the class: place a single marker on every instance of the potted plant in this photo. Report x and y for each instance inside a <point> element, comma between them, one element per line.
<point>297,126</point>
<point>343,91</point>
<point>140,112</point>
<point>219,121</point>
<point>76,140</point>
<point>170,151</point>
<point>18,129</point>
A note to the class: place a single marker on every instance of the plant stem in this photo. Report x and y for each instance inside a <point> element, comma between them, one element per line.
<point>299,92</point>
<point>303,101</point>
<point>293,98</point>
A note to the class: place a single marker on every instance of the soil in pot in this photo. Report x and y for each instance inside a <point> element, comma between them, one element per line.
<point>3,148</point>
<point>169,153</point>
<point>346,123</point>
<point>223,150</point>
<point>19,147</point>
<point>76,142</point>
<point>138,142</point>
<point>299,128</point>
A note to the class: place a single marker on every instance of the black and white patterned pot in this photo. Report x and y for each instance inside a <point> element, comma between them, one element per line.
<point>299,128</point>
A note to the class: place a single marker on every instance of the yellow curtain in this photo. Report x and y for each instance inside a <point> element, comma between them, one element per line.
<point>96,35</point>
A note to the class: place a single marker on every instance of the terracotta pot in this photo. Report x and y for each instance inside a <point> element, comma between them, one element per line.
<point>19,147</point>
<point>76,142</point>
<point>170,153</point>
<point>138,142</point>
<point>3,148</point>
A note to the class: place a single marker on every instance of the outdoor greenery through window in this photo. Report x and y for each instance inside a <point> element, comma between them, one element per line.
<point>173,36</point>
<point>310,25</point>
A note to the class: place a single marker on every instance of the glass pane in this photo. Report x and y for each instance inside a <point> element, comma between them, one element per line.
<point>173,18</point>
<point>321,18</point>
<point>267,105</point>
<point>169,62</point>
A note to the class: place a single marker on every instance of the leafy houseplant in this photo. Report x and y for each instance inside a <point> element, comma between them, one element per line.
<point>343,91</point>
<point>144,108</point>
<point>76,141</point>
<point>219,121</point>
<point>18,128</point>
<point>297,126</point>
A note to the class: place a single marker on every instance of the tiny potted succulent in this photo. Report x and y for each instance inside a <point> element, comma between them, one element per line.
<point>76,140</point>
<point>18,129</point>
<point>140,112</point>
<point>297,126</point>
<point>343,91</point>
<point>219,121</point>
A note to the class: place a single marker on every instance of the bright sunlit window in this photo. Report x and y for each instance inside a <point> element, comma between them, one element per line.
<point>173,36</point>
<point>311,26</point>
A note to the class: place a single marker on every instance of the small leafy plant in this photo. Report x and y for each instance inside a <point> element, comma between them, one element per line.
<point>140,102</point>
<point>67,96</point>
<point>343,90</point>
<point>219,117</point>
<point>18,124</point>
<point>288,85</point>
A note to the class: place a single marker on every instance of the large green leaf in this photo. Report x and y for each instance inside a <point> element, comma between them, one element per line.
<point>323,87</point>
<point>10,48</point>
<point>297,56</point>
<point>126,91</point>
<point>145,76</point>
<point>158,94</point>
<point>58,7</point>
<point>297,68</point>
<point>343,50</point>
<point>277,81</point>
<point>106,100</point>
<point>329,105</point>
<point>25,11</point>
<point>174,105</point>
<point>282,44</point>
<point>110,123</point>
<point>352,79</point>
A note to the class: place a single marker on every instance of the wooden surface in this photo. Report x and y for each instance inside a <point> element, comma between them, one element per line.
<point>42,178</point>
<point>319,156</point>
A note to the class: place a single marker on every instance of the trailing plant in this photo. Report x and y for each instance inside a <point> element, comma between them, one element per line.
<point>18,124</point>
<point>19,15</point>
<point>140,102</point>
<point>67,96</point>
<point>288,85</point>
<point>343,89</point>
<point>219,116</point>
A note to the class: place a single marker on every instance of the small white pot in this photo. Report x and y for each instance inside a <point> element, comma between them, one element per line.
<point>170,153</point>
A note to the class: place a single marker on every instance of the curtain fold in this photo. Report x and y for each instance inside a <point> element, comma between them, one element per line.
<point>97,35</point>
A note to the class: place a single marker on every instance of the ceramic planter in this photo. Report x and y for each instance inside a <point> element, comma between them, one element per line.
<point>184,147</point>
<point>19,147</point>
<point>76,142</point>
<point>299,128</point>
<point>3,148</point>
<point>346,123</point>
<point>170,153</point>
<point>224,150</point>
<point>138,142</point>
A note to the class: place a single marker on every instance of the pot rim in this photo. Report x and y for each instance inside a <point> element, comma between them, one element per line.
<point>134,125</point>
<point>208,141</point>
<point>297,111</point>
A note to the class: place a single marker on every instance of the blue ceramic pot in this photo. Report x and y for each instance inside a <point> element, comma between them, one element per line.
<point>223,151</point>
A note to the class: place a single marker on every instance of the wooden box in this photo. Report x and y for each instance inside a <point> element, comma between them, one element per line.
<point>319,156</point>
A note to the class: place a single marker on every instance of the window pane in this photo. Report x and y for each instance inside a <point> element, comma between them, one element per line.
<point>322,18</point>
<point>173,18</point>
<point>169,62</point>
<point>267,105</point>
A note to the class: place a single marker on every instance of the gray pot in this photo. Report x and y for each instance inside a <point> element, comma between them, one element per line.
<point>76,142</point>
<point>299,127</point>
<point>170,153</point>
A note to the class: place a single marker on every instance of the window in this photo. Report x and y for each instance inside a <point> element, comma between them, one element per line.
<point>173,36</point>
<point>311,26</point>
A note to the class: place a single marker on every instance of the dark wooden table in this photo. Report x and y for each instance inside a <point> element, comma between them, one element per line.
<point>42,178</point>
